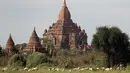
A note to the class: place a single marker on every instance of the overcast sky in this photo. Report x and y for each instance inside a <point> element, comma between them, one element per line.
<point>18,17</point>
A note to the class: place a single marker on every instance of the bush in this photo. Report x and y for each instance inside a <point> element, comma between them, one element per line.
<point>4,60</point>
<point>17,60</point>
<point>36,59</point>
<point>77,58</point>
<point>97,59</point>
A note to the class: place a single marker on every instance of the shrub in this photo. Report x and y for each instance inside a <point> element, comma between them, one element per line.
<point>17,60</point>
<point>4,60</point>
<point>77,58</point>
<point>36,59</point>
<point>97,58</point>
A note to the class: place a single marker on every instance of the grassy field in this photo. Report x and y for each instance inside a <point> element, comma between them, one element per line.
<point>45,70</point>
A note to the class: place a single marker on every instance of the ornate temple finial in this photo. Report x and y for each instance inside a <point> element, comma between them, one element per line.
<point>64,2</point>
<point>34,28</point>
<point>10,34</point>
<point>64,13</point>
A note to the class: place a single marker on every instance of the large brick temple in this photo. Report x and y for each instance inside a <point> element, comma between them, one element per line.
<point>65,33</point>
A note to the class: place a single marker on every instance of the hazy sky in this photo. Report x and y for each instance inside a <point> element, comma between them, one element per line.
<point>18,17</point>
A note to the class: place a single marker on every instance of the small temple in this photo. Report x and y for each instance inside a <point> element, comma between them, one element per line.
<point>34,44</point>
<point>65,33</point>
<point>10,45</point>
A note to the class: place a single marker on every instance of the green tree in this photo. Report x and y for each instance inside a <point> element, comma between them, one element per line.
<point>17,60</point>
<point>48,45</point>
<point>114,43</point>
<point>18,46</point>
<point>35,59</point>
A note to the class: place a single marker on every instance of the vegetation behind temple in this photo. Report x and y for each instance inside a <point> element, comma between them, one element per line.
<point>110,48</point>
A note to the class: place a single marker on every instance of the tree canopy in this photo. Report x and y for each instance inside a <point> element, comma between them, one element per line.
<point>114,43</point>
<point>18,46</point>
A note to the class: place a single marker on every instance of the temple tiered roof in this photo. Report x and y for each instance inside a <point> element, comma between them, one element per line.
<point>34,43</point>
<point>10,45</point>
<point>64,13</point>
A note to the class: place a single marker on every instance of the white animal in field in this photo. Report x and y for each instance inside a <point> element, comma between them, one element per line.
<point>70,70</point>
<point>34,69</point>
<point>20,69</point>
<point>111,68</point>
<point>82,69</point>
<point>76,68</point>
<point>25,68</point>
<point>14,69</point>
<point>102,68</point>
<point>90,69</point>
<point>107,69</point>
<point>57,69</point>
<point>97,68</point>
<point>51,69</point>
<point>117,68</point>
<point>29,70</point>
<point>86,68</point>
<point>63,69</point>
<point>5,69</point>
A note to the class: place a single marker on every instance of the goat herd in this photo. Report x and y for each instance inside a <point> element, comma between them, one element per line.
<point>69,70</point>
<point>85,69</point>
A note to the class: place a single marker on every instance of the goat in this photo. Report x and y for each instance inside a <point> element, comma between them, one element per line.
<point>5,69</point>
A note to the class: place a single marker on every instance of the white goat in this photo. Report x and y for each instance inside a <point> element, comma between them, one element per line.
<point>70,70</point>
<point>57,69</point>
<point>107,69</point>
<point>5,69</point>
<point>25,68</point>
<point>63,69</point>
<point>34,69</point>
<point>76,68</point>
<point>51,69</point>
<point>14,69</point>
<point>102,68</point>
<point>82,69</point>
<point>29,70</point>
<point>90,69</point>
<point>97,68</point>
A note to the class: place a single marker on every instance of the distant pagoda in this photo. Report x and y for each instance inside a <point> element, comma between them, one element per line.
<point>34,44</point>
<point>65,33</point>
<point>10,45</point>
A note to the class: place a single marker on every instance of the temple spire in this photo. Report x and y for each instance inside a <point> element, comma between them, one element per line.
<point>64,13</point>
<point>10,44</point>
<point>34,28</point>
<point>64,2</point>
<point>33,41</point>
<point>10,35</point>
<point>10,40</point>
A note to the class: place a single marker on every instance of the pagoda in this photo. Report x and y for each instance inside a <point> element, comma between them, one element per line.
<point>34,44</point>
<point>65,33</point>
<point>10,45</point>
